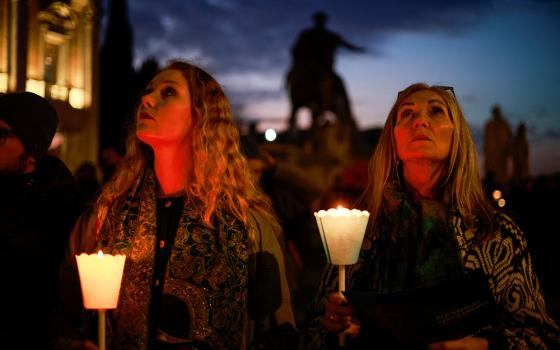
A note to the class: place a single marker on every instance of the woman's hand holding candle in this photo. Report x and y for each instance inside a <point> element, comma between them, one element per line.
<point>339,316</point>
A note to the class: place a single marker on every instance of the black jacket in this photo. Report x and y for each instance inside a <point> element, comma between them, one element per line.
<point>37,212</point>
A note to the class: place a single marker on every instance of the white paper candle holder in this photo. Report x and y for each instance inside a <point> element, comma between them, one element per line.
<point>100,279</point>
<point>342,233</point>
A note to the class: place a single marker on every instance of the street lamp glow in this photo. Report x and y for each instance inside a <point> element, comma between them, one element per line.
<point>270,135</point>
<point>497,194</point>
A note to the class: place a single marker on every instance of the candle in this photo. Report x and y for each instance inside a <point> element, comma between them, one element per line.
<point>342,233</point>
<point>100,278</point>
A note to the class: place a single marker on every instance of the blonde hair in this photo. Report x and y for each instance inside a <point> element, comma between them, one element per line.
<point>222,177</point>
<point>461,178</point>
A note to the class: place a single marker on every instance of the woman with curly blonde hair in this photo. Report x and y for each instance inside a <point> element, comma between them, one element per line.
<point>183,207</point>
<point>430,224</point>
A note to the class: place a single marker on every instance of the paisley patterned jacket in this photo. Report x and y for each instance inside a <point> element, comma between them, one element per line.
<point>207,271</point>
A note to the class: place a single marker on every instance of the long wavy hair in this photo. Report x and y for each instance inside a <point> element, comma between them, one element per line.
<point>461,180</point>
<point>222,177</point>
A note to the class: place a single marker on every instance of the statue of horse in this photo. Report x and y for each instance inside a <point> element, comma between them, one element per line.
<point>320,93</point>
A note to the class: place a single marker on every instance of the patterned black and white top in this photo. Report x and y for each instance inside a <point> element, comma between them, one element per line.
<point>505,261</point>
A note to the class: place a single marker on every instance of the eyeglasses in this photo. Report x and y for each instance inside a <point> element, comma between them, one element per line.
<point>4,134</point>
<point>440,87</point>
<point>445,87</point>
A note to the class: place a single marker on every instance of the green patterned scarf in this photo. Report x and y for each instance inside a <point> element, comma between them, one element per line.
<point>415,246</point>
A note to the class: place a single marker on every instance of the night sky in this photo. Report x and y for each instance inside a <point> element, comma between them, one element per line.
<point>492,52</point>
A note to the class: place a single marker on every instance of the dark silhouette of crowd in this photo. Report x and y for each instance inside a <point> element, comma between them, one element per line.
<point>39,204</point>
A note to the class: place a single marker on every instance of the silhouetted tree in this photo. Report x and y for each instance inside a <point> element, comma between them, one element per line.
<point>117,77</point>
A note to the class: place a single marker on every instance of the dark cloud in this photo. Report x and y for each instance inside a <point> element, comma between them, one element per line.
<point>468,98</point>
<point>537,133</point>
<point>235,39</point>
<point>552,134</point>
<point>542,113</point>
<point>226,35</point>
<point>238,35</point>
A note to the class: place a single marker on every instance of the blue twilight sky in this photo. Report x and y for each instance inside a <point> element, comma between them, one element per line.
<point>493,52</point>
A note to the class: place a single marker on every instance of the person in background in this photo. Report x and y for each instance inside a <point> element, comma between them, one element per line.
<point>184,209</point>
<point>430,222</point>
<point>110,159</point>
<point>38,207</point>
<point>497,149</point>
<point>520,155</point>
<point>87,183</point>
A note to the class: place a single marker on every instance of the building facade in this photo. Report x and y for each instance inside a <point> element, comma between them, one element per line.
<point>51,48</point>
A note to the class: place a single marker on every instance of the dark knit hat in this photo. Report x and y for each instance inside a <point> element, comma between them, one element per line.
<point>32,118</point>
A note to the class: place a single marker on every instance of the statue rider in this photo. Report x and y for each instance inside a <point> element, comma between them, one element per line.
<point>313,56</point>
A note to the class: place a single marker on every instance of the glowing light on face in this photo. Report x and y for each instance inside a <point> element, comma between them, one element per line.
<point>423,127</point>
<point>164,115</point>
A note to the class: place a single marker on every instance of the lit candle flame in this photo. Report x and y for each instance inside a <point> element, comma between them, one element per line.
<point>100,278</point>
<point>342,231</point>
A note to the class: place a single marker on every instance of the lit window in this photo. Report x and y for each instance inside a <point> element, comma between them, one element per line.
<point>51,61</point>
